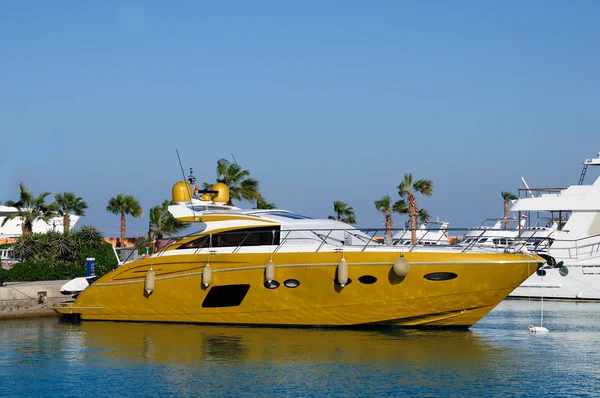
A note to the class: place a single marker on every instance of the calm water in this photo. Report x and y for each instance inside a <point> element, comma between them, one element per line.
<point>497,357</point>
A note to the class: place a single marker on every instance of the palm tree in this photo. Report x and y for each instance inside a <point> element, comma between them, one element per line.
<point>423,215</point>
<point>261,203</point>
<point>162,221</point>
<point>506,197</point>
<point>30,209</point>
<point>344,213</point>
<point>238,180</point>
<point>407,190</point>
<point>69,204</point>
<point>384,205</point>
<point>89,236</point>
<point>124,205</point>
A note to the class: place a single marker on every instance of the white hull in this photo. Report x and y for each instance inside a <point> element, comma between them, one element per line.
<point>575,244</point>
<point>581,283</point>
<point>12,228</point>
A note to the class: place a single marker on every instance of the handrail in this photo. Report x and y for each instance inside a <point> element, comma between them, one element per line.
<point>364,239</point>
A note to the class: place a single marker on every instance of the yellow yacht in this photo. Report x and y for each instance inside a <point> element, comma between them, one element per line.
<point>276,267</point>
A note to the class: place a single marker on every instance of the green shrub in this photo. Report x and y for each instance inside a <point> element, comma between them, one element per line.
<point>41,271</point>
<point>4,274</point>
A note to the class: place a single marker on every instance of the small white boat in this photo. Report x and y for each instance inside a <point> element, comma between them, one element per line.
<point>77,285</point>
<point>7,258</point>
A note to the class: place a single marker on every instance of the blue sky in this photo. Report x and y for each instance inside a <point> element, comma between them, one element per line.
<point>320,100</point>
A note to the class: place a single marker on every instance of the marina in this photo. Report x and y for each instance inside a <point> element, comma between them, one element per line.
<point>355,225</point>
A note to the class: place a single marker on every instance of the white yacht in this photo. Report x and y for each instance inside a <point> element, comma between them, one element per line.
<point>12,228</point>
<point>429,233</point>
<point>573,214</point>
<point>500,233</point>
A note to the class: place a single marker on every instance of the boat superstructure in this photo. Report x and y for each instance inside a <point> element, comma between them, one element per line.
<point>12,228</point>
<point>501,233</point>
<point>276,267</point>
<point>429,233</point>
<point>573,214</point>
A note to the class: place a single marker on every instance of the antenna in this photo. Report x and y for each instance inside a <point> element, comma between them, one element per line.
<point>234,161</point>
<point>527,186</point>
<point>182,172</point>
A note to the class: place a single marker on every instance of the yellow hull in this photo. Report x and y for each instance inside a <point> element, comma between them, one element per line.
<point>237,295</point>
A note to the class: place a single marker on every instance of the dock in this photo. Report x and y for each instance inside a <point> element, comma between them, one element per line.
<point>30,299</point>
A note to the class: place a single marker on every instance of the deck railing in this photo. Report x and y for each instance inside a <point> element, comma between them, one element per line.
<point>508,240</point>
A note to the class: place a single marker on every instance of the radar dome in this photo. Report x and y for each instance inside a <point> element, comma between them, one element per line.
<point>182,192</point>
<point>223,195</point>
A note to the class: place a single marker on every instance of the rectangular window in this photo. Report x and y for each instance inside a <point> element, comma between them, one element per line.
<point>263,236</point>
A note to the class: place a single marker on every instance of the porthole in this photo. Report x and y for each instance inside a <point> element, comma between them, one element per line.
<point>337,283</point>
<point>440,276</point>
<point>291,283</point>
<point>541,272</point>
<point>271,285</point>
<point>367,279</point>
<point>563,271</point>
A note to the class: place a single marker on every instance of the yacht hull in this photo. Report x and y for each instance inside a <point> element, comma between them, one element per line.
<point>443,289</point>
<point>578,283</point>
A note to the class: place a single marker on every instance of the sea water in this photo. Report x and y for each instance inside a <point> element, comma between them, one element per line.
<point>47,357</point>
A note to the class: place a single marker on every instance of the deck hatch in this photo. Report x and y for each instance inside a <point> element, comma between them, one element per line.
<point>225,296</point>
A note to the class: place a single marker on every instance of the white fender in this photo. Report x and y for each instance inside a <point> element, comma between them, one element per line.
<point>206,275</point>
<point>342,272</point>
<point>401,267</point>
<point>270,271</point>
<point>149,282</point>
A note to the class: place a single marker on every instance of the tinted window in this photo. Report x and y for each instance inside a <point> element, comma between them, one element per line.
<point>199,243</point>
<point>225,296</point>
<point>247,237</point>
<point>243,237</point>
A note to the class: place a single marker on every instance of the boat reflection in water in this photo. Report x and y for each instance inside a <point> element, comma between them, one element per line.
<point>497,358</point>
<point>174,343</point>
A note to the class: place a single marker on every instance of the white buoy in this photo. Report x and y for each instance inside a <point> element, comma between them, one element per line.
<point>541,328</point>
<point>342,272</point>
<point>270,271</point>
<point>149,282</point>
<point>537,329</point>
<point>401,267</point>
<point>206,275</point>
